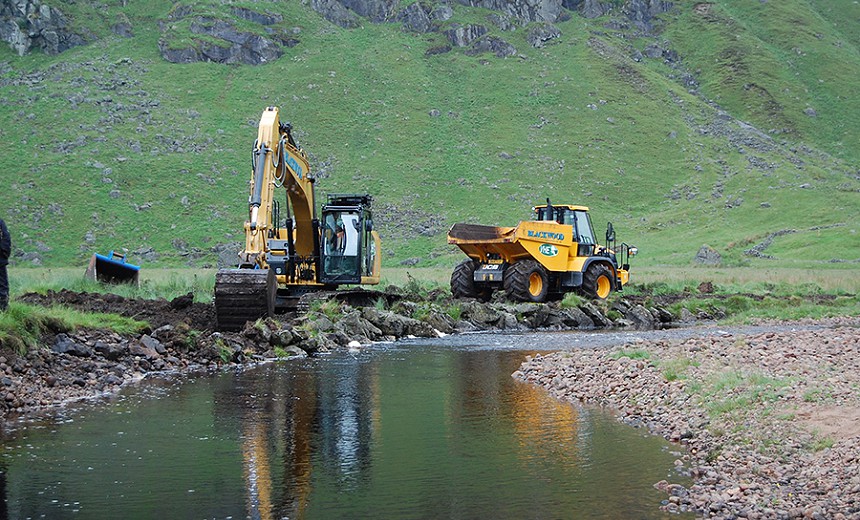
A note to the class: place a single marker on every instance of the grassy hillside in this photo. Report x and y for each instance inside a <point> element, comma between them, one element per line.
<point>109,146</point>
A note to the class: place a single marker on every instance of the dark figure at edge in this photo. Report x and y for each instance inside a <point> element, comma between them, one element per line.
<point>5,249</point>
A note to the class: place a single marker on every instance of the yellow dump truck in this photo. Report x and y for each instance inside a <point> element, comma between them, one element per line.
<point>540,259</point>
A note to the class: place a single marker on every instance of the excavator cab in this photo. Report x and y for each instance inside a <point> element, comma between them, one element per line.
<point>348,250</point>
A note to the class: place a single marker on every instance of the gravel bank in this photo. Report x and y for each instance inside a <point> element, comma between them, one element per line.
<point>770,422</point>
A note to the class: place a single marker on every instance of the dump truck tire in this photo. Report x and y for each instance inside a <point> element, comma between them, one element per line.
<point>463,282</point>
<point>597,282</point>
<point>526,281</point>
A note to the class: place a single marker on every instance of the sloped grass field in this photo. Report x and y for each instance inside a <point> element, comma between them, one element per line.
<point>109,146</point>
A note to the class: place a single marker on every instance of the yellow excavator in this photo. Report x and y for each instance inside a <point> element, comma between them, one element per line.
<point>540,259</point>
<point>305,253</point>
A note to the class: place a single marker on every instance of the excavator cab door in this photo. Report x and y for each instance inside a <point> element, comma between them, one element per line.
<point>343,244</point>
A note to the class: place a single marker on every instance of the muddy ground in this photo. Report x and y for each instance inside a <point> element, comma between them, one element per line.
<point>199,316</point>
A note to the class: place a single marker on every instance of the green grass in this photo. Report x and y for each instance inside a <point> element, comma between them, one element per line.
<point>631,354</point>
<point>675,369</point>
<point>167,169</point>
<point>734,390</point>
<point>154,283</point>
<point>21,326</point>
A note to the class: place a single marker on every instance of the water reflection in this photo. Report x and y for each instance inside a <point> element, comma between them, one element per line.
<point>407,432</point>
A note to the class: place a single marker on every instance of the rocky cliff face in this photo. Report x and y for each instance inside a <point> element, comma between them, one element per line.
<point>28,24</point>
<point>347,13</point>
<point>424,16</point>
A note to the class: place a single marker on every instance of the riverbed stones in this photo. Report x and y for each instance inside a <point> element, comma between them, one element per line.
<point>63,344</point>
<point>749,413</point>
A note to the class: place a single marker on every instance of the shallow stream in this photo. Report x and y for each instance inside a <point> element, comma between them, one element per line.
<point>414,429</point>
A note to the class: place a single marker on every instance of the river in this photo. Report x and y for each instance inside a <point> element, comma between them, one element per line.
<point>414,429</point>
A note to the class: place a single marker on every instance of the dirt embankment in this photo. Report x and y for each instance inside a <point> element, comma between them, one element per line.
<point>770,422</point>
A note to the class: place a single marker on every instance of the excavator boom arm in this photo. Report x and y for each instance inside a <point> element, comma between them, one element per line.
<point>278,161</point>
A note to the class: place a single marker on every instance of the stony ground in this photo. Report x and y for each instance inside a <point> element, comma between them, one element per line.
<point>770,422</point>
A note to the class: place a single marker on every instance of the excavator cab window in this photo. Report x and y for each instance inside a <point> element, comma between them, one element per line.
<point>344,242</point>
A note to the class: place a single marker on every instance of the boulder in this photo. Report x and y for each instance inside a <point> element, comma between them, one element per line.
<point>640,318</point>
<point>575,318</point>
<point>707,255</point>
<point>294,351</point>
<point>440,321</point>
<point>541,33</point>
<point>396,325</point>
<point>63,344</point>
<point>151,343</point>
<point>508,321</point>
<point>136,348</point>
<point>497,46</point>
<point>480,314</point>
<point>110,351</point>
<point>355,327</point>
<point>600,321</point>
<point>462,36</point>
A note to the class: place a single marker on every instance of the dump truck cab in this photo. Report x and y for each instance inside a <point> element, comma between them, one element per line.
<point>544,258</point>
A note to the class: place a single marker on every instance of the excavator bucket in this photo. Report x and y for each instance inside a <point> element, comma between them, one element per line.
<point>112,268</point>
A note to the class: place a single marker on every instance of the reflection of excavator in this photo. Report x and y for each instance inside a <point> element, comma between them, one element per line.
<point>280,264</point>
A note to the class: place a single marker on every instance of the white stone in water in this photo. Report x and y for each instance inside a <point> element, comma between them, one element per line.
<point>353,345</point>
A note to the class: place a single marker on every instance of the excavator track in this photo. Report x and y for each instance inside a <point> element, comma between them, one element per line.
<point>243,295</point>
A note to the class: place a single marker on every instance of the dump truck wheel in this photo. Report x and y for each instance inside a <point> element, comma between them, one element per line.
<point>463,281</point>
<point>526,281</point>
<point>597,282</point>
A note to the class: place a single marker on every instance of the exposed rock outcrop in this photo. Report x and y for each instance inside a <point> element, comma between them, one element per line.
<point>421,17</point>
<point>525,10</point>
<point>542,33</point>
<point>220,40</point>
<point>29,24</point>
<point>463,36</point>
<point>707,255</point>
<point>336,13</point>
<point>493,44</point>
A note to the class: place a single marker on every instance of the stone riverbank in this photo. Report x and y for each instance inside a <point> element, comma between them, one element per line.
<point>181,337</point>
<point>769,423</point>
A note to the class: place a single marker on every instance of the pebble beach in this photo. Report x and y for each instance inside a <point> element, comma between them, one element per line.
<point>768,424</point>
